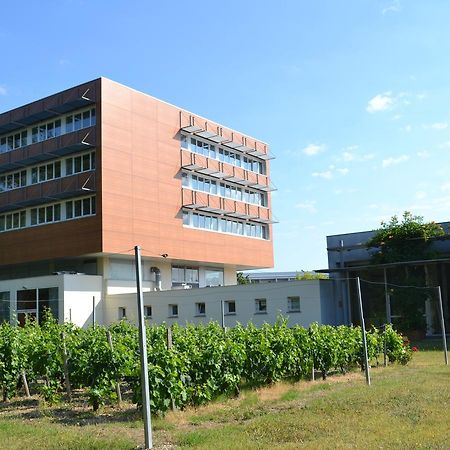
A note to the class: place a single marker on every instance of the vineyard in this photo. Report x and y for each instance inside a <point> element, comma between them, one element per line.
<point>188,366</point>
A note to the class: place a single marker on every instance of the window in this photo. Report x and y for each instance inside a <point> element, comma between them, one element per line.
<point>173,310</point>
<point>200,309</point>
<point>122,312</point>
<point>214,277</point>
<point>197,220</point>
<point>260,306</point>
<point>45,172</point>
<point>4,306</point>
<point>182,275</point>
<point>230,307</point>
<point>293,304</point>
<point>228,156</point>
<point>45,214</point>
<point>13,180</point>
<point>80,207</point>
<point>12,221</point>
<point>80,163</point>
<point>148,312</point>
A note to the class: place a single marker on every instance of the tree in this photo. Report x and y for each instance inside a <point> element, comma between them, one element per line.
<point>408,240</point>
<point>402,241</point>
<point>242,279</point>
<point>311,276</point>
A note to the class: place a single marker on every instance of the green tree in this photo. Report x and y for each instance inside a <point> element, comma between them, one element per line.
<point>242,279</point>
<point>311,276</point>
<point>405,240</point>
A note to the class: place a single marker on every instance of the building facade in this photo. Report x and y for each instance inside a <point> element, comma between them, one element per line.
<point>385,299</point>
<point>301,302</point>
<point>88,173</point>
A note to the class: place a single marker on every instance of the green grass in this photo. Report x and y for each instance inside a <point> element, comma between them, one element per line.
<point>406,407</point>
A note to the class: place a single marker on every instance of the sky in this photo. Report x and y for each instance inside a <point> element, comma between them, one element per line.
<point>352,96</point>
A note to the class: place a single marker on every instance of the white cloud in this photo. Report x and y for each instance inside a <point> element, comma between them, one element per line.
<point>423,154</point>
<point>439,125</point>
<point>445,187</point>
<point>349,156</point>
<point>343,171</point>
<point>407,128</point>
<point>397,117</point>
<point>421,195</point>
<point>393,161</point>
<point>308,205</point>
<point>327,174</point>
<point>381,102</point>
<point>395,6</point>
<point>3,90</point>
<point>313,149</point>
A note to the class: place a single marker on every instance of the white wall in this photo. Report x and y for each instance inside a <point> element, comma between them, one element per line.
<point>312,306</point>
<point>79,294</point>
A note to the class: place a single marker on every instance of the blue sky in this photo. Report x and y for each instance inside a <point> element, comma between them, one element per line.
<point>352,96</point>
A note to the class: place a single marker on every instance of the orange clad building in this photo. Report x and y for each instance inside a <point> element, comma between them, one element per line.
<point>88,173</point>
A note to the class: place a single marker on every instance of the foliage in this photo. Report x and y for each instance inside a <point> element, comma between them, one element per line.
<point>242,279</point>
<point>405,240</point>
<point>311,276</point>
<point>202,363</point>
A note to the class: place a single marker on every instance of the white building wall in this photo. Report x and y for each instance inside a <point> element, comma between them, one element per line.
<point>81,293</point>
<point>313,306</point>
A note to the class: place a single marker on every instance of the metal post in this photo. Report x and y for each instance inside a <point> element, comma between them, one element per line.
<point>222,313</point>
<point>143,353</point>
<point>363,330</point>
<point>387,299</point>
<point>385,359</point>
<point>93,311</point>
<point>444,337</point>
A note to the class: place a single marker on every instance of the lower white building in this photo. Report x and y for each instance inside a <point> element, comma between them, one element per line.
<point>83,299</point>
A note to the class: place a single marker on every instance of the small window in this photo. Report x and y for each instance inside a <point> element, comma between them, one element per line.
<point>293,304</point>
<point>173,310</point>
<point>148,312</point>
<point>122,313</point>
<point>260,305</point>
<point>200,309</point>
<point>230,307</point>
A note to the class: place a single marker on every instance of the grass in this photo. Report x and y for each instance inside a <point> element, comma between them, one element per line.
<point>404,408</point>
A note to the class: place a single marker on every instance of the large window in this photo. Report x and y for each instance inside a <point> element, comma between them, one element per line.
<point>34,303</point>
<point>225,190</point>
<point>48,129</point>
<point>46,172</point>
<point>184,276</point>
<point>13,180</point>
<point>214,277</point>
<point>229,156</point>
<point>48,213</point>
<point>49,171</point>
<point>224,225</point>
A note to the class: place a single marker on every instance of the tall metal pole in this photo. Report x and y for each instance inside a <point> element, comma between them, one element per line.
<point>93,311</point>
<point>222,313</point>
<point>387,299</point>
<point>143,353</point>
<point>444,337</point>
<point>363,330</point>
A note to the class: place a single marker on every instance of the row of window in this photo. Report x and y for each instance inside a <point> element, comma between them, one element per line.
<point>226,190</point>
<point>188,276</point>
<point>55,212</point>
<point>221,224</point>
<point>293,306</point>
<point>222,154</point>
<point>48,130</point>
<point>48,171</point>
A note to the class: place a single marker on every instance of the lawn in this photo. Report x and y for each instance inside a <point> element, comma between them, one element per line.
<point>406,407</point>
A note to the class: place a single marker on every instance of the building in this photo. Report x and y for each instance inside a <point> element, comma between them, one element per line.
<point>301,302</point>
<point>349,257</point>
<point>275,277</point>
<point>88,173</point>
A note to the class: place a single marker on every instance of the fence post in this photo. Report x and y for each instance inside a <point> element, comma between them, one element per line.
<point>111,347</point>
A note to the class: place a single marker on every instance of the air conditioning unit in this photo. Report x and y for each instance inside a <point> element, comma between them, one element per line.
<point>187,286</point>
